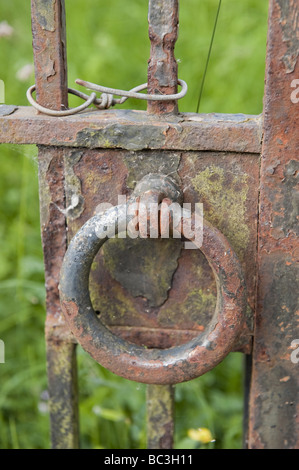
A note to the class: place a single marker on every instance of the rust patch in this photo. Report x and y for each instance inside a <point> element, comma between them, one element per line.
<point>190,303</point>
<point>274,405</point>
<point>134,130</point>
<point>70,308</point>
<point>288,19</point>
<point>162,66</point>
<point>49,47</point>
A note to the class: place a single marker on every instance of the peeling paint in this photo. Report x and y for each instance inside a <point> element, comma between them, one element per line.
<point>149,272</point>
<point>73,185</point>
<point>115,136</point>
<point>45,14</point>
<point>45,194</point>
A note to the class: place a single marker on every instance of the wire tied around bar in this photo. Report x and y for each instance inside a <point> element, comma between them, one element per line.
<point>106,99</point>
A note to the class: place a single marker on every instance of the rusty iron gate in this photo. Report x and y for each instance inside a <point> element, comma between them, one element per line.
<point>165,314</point>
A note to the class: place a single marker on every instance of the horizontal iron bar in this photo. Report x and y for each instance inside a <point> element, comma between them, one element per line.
<point>134,130</point>
<point>167,337</point>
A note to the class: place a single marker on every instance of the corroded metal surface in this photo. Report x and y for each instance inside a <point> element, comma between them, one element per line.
<point>136,273</point>
<point>135,362</point>
<point>134,130</point>
<point>154,280</point>
<point>98,155</point>
<point>6,110</point>
<point>49,46</point>
<point>228,186</point>
<point>162,67</point>
<point>53,231</point>
<point>62,387</point>
<point>48,29</point>
<point>274,396</point>
<point>160,419</point>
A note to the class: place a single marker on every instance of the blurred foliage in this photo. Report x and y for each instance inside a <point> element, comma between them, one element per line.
<point>107,43</point>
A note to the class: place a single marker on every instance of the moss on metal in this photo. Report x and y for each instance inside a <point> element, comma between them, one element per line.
<point>225,195</point>
<point>116,312</point>
<point>160,411</point>
<point>62,373</point>
<point>197,309</point>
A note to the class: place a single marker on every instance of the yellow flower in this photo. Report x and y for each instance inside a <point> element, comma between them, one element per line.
<point>202,435</point>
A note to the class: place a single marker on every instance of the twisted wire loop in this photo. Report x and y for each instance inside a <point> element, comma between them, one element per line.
<point>107,97</point>
<point>65,112</point>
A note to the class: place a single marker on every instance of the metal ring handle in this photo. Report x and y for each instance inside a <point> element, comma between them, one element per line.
<point>157,366</point>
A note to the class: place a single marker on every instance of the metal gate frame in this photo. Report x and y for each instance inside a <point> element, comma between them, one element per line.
<point>272,419</point>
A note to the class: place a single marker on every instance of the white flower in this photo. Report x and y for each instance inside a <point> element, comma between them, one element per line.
<point>25,72</point>
<point>5,29</point>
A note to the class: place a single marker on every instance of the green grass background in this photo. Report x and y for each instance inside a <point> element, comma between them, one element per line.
<point>107,43</point>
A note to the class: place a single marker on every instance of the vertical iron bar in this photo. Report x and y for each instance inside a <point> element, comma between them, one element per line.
<point>162,78</point>
<point>274,397</point>
<point>160,411</point>
<point>62,383</point>
<point>61,362</point>
<point>49,48</point>
<point>162,66</point>
<point>247,365</point>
